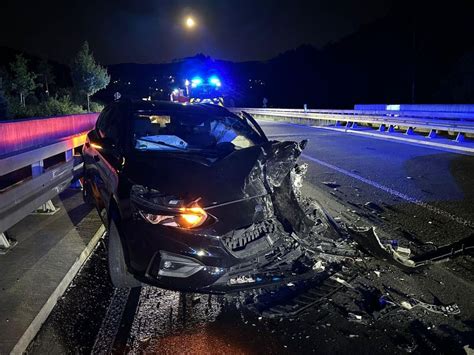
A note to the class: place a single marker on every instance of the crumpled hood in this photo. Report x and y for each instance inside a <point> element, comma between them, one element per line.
<point>242,174</point>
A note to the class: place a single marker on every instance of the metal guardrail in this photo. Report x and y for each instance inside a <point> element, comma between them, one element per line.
<point>27,143</point>
<point>431,115</point>
<point>460,124</point>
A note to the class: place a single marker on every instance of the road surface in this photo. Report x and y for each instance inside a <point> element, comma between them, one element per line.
<point>417,195</point>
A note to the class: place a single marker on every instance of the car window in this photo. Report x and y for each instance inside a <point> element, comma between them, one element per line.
<point>154,130</point>
<point>108,124</point>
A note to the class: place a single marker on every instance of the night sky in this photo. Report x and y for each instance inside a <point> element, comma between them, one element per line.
<point>152,31</point>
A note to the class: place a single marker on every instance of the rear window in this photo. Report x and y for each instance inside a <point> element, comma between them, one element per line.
<point>155,130</point>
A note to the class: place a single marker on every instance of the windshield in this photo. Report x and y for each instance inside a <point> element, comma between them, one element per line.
<point>177,131</point>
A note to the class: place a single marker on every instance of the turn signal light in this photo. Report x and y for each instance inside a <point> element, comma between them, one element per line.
<point>191,217</point>
<point>188,218</point>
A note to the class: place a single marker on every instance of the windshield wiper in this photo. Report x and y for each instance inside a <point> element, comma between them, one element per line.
<point>161,143</point>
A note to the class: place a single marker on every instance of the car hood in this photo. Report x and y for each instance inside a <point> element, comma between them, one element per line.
<point>242,174</point>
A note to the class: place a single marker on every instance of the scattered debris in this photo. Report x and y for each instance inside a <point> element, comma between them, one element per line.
<point>341,281</point>
<point>354,316</point>
<point>318,266</point>
<point>373,206</point>
<point>450,309</point>
<point>331,184</point>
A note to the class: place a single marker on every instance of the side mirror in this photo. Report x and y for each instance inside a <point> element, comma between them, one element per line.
<point>107,147</point>
<point>107,144</point>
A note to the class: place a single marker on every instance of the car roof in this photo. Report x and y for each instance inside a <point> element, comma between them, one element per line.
<point>138,105</point>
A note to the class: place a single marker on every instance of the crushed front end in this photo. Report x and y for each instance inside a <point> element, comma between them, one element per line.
<point>257,230</point>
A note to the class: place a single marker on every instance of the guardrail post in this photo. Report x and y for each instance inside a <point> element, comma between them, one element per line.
<point>391,129</point>
<point>6,243</point>
<point>338,124</point>
<point>432,134</point>
<point>46,208</point>
<point>37,168</point>
<point>460,137</point>
<point>382,128</point>
<point>354,125</point>
<point>348,124</point>
<point>410,131</point>
<point>69,154</point>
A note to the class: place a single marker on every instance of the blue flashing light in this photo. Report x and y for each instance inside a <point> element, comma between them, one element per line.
<point>196,81</point>
<point>214,80</point>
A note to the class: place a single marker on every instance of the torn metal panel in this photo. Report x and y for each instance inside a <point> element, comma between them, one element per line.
<point>297,176</point>
<point>282,159</point>
<point>370,242</point>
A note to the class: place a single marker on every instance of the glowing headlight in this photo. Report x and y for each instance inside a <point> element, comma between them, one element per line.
<point>156,218</point>
<point>186,218</point>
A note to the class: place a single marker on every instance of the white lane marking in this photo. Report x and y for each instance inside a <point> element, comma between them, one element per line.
<point>47,308</point>
<point>393,192</point>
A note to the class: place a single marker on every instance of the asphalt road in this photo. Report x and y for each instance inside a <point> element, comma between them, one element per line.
<point>417,195</point>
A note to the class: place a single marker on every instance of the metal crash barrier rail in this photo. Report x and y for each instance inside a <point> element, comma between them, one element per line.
<point>459,123</point>
<point>37,163</point>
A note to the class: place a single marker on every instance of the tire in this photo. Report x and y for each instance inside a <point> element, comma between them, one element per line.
<point>118,272</point>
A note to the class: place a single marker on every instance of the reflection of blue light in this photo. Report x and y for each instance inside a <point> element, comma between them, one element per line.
<point>214,80</point>
<point>196,81</point>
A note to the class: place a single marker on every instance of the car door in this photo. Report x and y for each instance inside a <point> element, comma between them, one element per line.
<point>104,157</point>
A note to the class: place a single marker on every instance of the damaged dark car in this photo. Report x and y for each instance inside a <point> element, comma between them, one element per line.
<point>196,198</point>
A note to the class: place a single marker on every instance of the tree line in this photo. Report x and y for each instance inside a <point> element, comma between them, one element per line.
<point>28,93</point>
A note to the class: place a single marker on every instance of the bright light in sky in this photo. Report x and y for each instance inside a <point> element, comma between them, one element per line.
<point>190,23</point>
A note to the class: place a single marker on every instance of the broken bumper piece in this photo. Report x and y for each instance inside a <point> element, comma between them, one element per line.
<point>186,273</point>
<point>271,257</point>
<point>370,242</point>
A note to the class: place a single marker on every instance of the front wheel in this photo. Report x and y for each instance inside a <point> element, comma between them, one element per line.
<point>119,274</point>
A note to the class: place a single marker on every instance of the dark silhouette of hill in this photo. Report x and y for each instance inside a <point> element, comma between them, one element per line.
<point>419,51</point>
